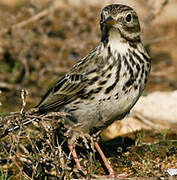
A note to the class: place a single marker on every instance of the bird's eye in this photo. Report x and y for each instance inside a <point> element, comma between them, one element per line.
<point>128,17</point>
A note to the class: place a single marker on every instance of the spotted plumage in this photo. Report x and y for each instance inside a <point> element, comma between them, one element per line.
<point>103,86</point>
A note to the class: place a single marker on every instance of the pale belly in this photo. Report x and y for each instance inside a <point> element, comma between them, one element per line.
<point>116,107</point>
<point>103,111</point>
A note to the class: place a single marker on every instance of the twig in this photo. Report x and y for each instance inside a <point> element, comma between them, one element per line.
<point>34,18</point>
<point>24,94</point>
<point>9,86</point>
<point>153,14</point>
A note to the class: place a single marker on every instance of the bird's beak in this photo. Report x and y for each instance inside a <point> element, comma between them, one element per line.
<point>110,21</point>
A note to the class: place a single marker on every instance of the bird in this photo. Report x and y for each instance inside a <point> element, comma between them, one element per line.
<point>103,86</point>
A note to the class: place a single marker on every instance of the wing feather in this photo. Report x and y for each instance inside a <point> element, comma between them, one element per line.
<point>65,90</point>
<point>72,85</point>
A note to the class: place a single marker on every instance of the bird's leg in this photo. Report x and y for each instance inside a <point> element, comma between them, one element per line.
<point>105,160</point>
<point>73,152</point>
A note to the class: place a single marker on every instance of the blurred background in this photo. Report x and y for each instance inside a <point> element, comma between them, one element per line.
<point>41,39</point>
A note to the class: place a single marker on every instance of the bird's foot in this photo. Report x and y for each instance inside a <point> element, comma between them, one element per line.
<point>76,159</point>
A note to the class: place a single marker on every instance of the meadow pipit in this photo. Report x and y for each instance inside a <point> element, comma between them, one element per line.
<point>103,86</point>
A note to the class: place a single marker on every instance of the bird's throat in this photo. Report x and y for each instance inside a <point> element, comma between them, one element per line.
<point>117,43</point>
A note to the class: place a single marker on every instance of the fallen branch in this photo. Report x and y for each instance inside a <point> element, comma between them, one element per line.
<point>32,19</point>
<point>5,85</point>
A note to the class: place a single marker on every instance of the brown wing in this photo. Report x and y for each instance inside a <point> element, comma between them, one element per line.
<point>65,90</point>
<point>72,85</point>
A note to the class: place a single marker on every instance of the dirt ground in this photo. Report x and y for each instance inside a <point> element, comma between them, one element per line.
<point>39,42</point>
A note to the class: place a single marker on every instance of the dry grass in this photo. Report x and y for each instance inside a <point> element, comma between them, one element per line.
<point>40,151</point>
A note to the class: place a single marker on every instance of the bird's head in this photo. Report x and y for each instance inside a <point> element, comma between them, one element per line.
<point>121,19</point>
